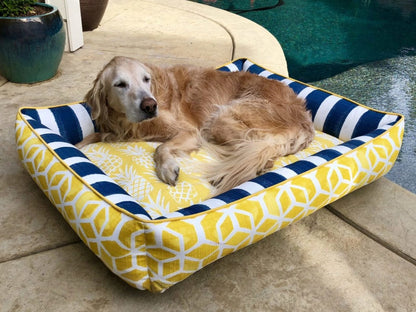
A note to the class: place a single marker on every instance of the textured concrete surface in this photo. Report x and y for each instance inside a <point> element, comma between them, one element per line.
<point>250,40</point>
<point>386,210</point>
<point>318,264</point>
<point>160,34</point>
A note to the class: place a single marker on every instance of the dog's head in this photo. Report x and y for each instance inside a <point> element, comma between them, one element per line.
<point>124,86</point>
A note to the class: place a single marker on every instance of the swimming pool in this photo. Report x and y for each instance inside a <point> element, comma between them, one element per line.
<point>322,38</point>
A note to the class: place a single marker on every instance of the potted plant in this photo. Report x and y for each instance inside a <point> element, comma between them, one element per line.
<point>32,40</point>
<point>92,11</point>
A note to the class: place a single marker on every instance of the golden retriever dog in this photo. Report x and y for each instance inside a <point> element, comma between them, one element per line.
<point>245,120</point>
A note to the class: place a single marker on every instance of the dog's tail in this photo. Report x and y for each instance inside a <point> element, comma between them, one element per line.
<point>244,159</point>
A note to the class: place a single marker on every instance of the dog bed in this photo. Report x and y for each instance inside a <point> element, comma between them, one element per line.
<point>152,235</point>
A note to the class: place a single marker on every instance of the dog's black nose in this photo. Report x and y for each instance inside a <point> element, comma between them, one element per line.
<point>149,106</point>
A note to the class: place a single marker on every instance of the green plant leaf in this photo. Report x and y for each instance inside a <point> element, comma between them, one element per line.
<point>14,8</point>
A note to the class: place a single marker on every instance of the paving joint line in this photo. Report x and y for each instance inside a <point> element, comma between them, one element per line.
<point>35,252</point>
<point>371,235</point>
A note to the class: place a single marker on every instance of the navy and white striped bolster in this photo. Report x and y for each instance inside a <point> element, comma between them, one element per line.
<point>246,65</point>
<point>72,122</point>
<point>86,170</point>
<point>340,117</point>
<point>331,114</point>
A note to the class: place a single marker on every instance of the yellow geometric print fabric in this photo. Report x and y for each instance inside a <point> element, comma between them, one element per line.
<point>131,165</point>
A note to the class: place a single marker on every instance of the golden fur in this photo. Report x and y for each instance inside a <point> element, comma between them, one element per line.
<point>245,120</point>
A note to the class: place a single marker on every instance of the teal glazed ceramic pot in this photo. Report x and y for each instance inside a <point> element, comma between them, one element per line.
<point>31,48</point>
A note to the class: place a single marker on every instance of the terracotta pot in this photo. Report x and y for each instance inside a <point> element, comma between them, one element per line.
<point>31,48</point>
<point>92,11</point>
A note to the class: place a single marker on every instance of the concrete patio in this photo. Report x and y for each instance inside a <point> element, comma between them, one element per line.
<point>358,254</point>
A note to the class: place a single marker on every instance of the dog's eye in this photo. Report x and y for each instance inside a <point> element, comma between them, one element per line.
<point>121,84</point>
<point>146,79</point>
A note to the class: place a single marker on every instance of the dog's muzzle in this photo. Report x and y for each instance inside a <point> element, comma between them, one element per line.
<point>149,107</point>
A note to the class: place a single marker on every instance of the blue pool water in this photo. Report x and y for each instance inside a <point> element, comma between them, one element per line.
<point>324,37</point>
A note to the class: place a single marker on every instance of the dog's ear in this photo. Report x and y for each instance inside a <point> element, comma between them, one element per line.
<point>96,96</point>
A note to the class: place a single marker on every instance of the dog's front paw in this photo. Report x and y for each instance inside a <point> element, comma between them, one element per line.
<point>168,171</point>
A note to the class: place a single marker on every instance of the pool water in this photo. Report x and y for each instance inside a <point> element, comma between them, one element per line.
<point>324,37</point>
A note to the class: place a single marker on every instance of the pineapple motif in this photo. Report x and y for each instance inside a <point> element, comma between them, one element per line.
<point>133,183</point>
<point>131,165</point>
<point>103,158</point>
